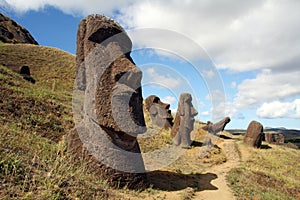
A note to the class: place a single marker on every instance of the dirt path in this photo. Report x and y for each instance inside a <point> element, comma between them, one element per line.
<point>187,178</point>
<point>223,191</point>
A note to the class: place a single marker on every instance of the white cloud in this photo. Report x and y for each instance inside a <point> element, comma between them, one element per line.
<point>239,35</point>
<point>224,109</point>
<point>205,113</point>
<point>277,109</point>
<point>74,7</point>
<point>166,81</point>
<point>266,87</point>
<point>233,85</point>
<point>169,99</point>
<point>208,74</point>
<point>216,96</point>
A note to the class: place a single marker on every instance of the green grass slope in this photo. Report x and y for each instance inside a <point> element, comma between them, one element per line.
<point>34,163</point>
<point>53,69</point>
<point>269,174</point>
<point>34,118</point>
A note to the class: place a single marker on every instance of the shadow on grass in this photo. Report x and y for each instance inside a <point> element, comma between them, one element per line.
<point>171,181</point>
<point>225,137</point>
<point>265,146</point>
<point>196,144</point>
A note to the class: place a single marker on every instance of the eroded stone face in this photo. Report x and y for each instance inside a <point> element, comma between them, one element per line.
<point>109,85</point>
<point>159,112</point>
<point>274,138</point>
<point>216,127</point>
<point>184,121</point>
<point>254,134</point>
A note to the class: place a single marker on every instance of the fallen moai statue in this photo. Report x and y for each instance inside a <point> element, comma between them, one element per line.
<point>216,127</point>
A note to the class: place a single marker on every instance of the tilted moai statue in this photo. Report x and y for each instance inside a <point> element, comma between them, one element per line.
<point>159,112</point>
<point>254,134</point>
<point>215,128</point>
<point>25,72</point>
<point>184,121</point>
<point>109,86</point>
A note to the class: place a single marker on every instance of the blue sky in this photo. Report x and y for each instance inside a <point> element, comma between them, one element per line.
<point>252,48</point>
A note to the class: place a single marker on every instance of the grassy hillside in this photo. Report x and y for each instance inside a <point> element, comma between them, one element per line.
<point>34,163</point>
<point>269,174</point>
<point>53,69</point>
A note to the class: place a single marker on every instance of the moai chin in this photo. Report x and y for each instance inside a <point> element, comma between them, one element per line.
<point>159,112</point>
<point>112,115</point>
<point>184,121</point>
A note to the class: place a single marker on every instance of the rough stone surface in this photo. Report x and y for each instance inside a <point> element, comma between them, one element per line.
<point>111,116</point>
<point>184,121</point>
<point>274,138</point>
<point>159,112</point>
<point>11,32</point>
<point>216,127</point>
<point>254,134</point>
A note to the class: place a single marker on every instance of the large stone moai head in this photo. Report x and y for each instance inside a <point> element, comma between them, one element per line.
<point>159,112</point>
<point>112,108</point>
<point>254,134</point>
<point>184,121</point>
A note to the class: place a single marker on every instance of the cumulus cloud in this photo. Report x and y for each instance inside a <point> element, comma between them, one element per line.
<point>233,85</point>
<point>266,87</point>
<point>208,74</point>
<point>277,109</point>
<point>216,96</point>
<point>169,99</point>
<point>240,36</point>
<point>205,113</point>
<point>74,7</point>
<point>162,80</point>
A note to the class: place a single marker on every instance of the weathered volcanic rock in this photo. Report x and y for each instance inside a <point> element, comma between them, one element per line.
<point>184,121</point>
<point>159,112</point>
<point>274,138</point>
<point>11,32</point>
<point>254,134</point>
<point>216,127</point>
<point>109,85</point>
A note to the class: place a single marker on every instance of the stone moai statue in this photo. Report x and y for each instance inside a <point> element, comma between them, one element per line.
<point>254,134</point>
<point>25,72</point>
<point>159,112</point>
<point>184,121</point>
<point>108,83</point>
<point>215,128</point>
<point>274,138</point>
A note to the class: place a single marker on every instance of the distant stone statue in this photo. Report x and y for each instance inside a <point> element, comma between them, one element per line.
<point>254,134</point>
<point>215,128</point>
<point>25,72</point>
<point>184,121</point>
<point>159,112</point>
<point>108,84</point>
<point>274,138</point>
